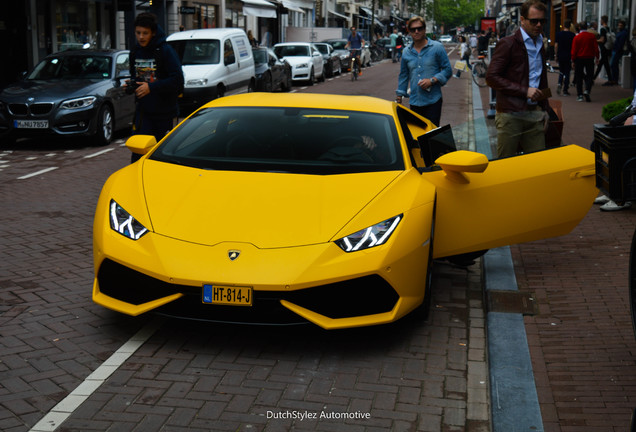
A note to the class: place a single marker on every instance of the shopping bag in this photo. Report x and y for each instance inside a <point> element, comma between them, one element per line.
<point>461,65</point>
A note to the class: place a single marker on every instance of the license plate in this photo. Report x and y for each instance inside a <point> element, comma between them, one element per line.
<point>227,295</point>
<point>31,124</point>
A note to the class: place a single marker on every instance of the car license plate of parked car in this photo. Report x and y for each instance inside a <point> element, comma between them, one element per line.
<point>31,124</point>
<point>227,295</point>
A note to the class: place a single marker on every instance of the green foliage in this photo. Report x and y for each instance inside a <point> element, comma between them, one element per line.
<point>451,13</point>
<point>613,109</point>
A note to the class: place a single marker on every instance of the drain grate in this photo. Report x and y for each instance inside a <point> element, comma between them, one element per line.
<point>511,302</point>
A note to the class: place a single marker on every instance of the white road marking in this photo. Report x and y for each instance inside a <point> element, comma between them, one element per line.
<point>98,153</point>
<point>45,170</point>
<point>63,410</point>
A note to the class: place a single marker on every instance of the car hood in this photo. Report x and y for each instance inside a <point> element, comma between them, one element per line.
<point>268,210</point>
<point>50,90</point>
<point>293,61</point>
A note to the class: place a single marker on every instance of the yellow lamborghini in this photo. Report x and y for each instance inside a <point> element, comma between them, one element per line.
<point>314,208</point>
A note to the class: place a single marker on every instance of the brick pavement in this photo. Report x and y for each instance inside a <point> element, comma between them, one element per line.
<point>581,343</point>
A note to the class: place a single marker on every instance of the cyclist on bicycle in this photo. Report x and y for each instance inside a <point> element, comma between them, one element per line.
<point>356,42</point>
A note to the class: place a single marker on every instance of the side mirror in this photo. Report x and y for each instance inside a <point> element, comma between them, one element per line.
<point>141,144</point>
<point>457,163</point>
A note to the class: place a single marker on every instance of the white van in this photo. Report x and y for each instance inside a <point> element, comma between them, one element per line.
<point>216,62</point>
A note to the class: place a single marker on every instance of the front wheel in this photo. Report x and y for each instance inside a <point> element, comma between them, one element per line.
<point>479,74</point>
<point>105,122</point>
<point>312,78</point>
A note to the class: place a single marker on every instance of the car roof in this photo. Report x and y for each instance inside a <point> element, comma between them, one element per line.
<point>214,33</point>
<point>293,43</point>
<point>75,52</point>
<point>307,100</point>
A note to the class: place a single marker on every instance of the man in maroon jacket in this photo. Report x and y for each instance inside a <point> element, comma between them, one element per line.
<point>517,73</point>
<point>584,51</point>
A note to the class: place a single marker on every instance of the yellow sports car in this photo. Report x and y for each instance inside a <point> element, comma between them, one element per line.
<point>304,207</point>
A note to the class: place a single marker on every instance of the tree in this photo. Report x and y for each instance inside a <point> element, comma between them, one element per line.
<point>452,13</point>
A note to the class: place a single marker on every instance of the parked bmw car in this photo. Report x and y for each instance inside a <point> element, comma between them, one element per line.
<point>339,47</point>
<point>304,58</point>
<point>299,207</point>
<point>331,60</point>
<point>272,73</point>
<point>70,93</point>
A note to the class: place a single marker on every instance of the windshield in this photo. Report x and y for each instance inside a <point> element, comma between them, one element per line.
<point>292,51</point>
<point>72,67</point>
<point>294,140</point>
<point>338,44</point>
<point>260,56</point>
<point>197,51</point>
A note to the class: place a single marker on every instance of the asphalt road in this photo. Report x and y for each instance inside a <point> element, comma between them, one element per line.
<point>69,364</point>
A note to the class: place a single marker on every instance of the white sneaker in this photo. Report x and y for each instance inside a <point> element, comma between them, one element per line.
<point>612,206</point>
<point>601,199</point>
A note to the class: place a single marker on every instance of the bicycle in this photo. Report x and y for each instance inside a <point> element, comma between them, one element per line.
<point>479,70</point>
<point>354,64</point>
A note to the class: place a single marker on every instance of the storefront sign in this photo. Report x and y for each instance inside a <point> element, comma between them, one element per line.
<point>187,10</point>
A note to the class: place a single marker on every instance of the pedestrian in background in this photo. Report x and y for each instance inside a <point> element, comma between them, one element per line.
<point>156,78</point>
<point>605,48</point>
<point>617,51</point>
<point>393,38</point>
<point>464,55</point>
<point>518,75</point>
<point>584,52</point>
<point>424,69</point>
<point>563,48</point>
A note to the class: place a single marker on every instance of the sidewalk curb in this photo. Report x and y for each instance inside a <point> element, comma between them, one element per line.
<point>513,395</point>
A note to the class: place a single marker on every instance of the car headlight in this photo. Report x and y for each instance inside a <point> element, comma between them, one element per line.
<point>197,82</point>
<point>302,66</point>
<point>83,102</point>
<point>126,225</point>
<point>369,237</point>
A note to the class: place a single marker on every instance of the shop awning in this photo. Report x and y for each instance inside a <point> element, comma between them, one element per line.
<point>338,14</point>
<point>259,8</point>
<point>292,6</point>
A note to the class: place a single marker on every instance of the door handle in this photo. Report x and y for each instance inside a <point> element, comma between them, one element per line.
<point>583,173</point>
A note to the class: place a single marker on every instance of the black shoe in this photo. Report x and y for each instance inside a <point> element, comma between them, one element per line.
<point>586,95</point>
<point>566,93</point>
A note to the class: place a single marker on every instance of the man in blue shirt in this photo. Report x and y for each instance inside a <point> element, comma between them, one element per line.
<point>425,68</point>
<point>355,41</point>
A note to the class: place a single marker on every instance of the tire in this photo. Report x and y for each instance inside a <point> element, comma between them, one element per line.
<point>268,85</point>
<point>479,74</point>
<point>251,87</point>
<point>220,91</point>
<point>105,125</point>
<point>286,84</point>
<point>311,77</point>
<point>339,69</point>
<point>322,76</point>
<point>327,70</point>
<point>424,310</point>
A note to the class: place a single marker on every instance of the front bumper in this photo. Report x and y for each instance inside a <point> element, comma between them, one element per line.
<point>316,283</point>
<point>61,122</point>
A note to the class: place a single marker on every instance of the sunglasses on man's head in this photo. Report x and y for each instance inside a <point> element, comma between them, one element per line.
<point>535,21</point>
<point>416,29</point>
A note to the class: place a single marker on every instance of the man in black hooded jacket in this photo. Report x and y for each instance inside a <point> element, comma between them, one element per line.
<point>156,78</point>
